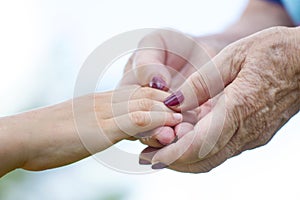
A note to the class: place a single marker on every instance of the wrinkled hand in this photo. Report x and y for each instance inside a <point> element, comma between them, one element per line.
<point>254,87</point>
<point>163,62</point>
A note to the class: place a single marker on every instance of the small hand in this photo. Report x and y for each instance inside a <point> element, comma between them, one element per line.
<point>67,132</point>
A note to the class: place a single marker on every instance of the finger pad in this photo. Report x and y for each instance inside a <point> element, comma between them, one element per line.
<point>166,135</point>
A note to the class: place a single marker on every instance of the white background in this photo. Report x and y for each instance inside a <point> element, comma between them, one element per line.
<point>42,46</point>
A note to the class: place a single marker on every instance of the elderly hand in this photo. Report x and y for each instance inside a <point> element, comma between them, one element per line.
<point>261,76</point>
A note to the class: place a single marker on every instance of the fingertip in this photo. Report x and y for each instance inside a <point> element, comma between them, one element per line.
<point>170,119</point>
<point>158,83</point>
<point>146,155</point>
<point>166,135</point>
<point>177,117</point>
<point>159,165</point>
<point>153,74</point>
<point>182,129</point>
<point>174,99</point>
<point>165,155</point>
<point>144,162</point>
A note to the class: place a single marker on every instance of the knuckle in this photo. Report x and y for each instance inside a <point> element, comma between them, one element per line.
<point>216,160</point>
<point>204,167</point>
<point>277,30</point>
<point>234,110</point>
<point>231,148</point>
<point>198,84</point>
<point>145,104</point>
<point>249,115</point>
<point>139,119</point>
<point>147,92</point>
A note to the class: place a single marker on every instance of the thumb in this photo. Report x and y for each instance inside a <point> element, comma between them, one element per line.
<point>160,56</point>
<point>149,63</point>
<point>207,82</point>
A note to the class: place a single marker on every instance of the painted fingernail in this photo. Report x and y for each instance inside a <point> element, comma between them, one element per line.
<point>144,162</point>
<point>174,99</point>
<point>158,83</point>
<point>159,166</point>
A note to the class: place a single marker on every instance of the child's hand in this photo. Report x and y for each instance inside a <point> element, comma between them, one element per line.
<point>67,132</point>
<point>133,111</point>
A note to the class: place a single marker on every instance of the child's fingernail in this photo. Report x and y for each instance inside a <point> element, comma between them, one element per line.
<point>177,117</point>
<point>174,99</point>
<point>159,166</point>
<point>144,162</point>
<point>158,83</point>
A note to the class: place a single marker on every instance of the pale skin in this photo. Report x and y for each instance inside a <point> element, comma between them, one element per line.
<point>256,105</point>
<point>49,137</point>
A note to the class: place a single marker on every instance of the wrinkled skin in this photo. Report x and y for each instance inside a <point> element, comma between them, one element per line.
<point>261,76</point>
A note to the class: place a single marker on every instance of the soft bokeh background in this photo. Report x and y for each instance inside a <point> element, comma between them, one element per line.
<point>42,47</point>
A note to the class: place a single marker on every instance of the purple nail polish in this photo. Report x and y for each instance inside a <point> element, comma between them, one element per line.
<point>158,83</point>
<point>144,162</point>
<point>174,99</point>
<point>159,166</point>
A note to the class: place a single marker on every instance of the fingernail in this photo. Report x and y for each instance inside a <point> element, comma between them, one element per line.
<point>158,83</point>
<point>159,166</point>
<point>144,162</point>
<point>177,117</point>
<point>174,99</point>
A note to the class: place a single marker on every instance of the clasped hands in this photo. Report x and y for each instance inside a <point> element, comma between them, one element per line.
<point>195,105</point>
<point>232,101</point>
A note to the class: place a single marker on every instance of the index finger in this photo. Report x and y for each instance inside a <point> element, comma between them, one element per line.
<point>161,55</point>
<point>149,62</point>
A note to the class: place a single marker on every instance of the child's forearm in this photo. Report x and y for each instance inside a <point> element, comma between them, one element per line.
<point>12,151</point>
<point>58,135</point>
<point>40,139</point>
